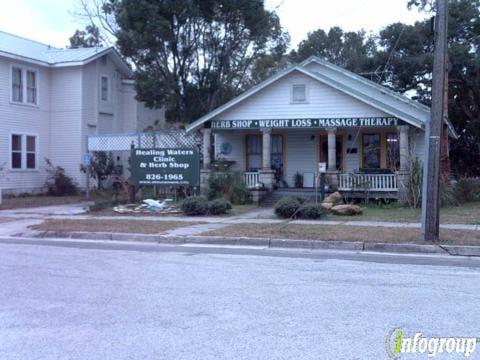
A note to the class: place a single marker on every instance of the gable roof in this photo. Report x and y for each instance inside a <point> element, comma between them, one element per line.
<point>347,82</point>
<point>19,48</point>
<point>372,84</point>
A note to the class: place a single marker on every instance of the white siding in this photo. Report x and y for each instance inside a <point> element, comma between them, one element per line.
<point>237,140</point>
<point>274,102</point>
<point>301,154</point>
<point>417,143</point>
<point>23,119</point>
<point>66,120</point>
<point>135,115</point>
<point>149,117</point>
<point>129,108</point>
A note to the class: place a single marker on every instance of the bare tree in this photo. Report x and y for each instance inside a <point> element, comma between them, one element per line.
<point>100,14</point>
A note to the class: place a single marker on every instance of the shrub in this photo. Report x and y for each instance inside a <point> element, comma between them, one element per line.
<point>468,189</point>
<point>228,185</point>
<point>298,198</point>
<point>310,211</point>
<point>239,195</point>
<point>101,168</point>
<point>219,206</point>
<point>195,205</point>
<point>415,183</point>
<point>58,183</point>
<point>448,197</point>
<point>287,207</point>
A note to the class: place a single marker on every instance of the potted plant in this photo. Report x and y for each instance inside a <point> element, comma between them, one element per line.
<point>298,180</point>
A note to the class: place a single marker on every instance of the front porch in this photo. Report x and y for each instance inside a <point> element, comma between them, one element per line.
<point>362,162</point>
<point>347,182</point>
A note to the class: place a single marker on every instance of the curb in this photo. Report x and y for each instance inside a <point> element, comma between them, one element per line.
<point>404,248</point>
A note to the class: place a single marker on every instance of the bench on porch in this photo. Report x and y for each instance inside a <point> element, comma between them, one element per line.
<point>367,182</point>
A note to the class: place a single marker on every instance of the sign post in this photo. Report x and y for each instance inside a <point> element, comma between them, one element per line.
<point>87,162</point>
<point>322,169</point>
<point>166,166</point>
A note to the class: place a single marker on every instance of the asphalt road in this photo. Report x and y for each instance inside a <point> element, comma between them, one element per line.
<point>161,302</point>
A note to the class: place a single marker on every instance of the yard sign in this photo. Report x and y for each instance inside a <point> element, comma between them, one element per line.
<point>166,166</point>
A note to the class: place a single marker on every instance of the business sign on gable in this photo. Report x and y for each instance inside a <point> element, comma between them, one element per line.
<point>305,123</point>
<point>167,166</point>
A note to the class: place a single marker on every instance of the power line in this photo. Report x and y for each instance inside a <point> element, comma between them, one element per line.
<point>392,51</point>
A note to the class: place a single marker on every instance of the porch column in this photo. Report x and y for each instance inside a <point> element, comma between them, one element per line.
<point>403,145</point>
<point>402,173</point>
<point>206,146</point>
<point>266,174</point>
<point>332,151</point>
<point>205,170</point>
<point>266,149</point>
<point>332,172</point>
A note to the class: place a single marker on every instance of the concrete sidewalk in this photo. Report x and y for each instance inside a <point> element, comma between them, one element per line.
<point>242,220</point>
<point>30,216</point>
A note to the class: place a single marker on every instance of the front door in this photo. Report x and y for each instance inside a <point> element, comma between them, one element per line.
<point>324,150</point>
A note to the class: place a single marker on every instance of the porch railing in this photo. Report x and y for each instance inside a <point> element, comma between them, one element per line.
<point>251,179</point>
<point>370,182</point>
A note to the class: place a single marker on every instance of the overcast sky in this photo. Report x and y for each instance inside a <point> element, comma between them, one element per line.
<point>53,22</point>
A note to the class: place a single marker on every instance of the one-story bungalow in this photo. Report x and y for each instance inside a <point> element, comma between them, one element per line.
<point>281,132</point>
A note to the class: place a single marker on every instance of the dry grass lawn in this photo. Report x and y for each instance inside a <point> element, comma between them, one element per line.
<point>343,232</point>
<point>39,200</point>
<point>468,213</point>
<point>120,226</point>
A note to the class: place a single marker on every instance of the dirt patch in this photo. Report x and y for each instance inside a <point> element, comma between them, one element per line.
<point>343,233</point>
<point>123,226</point>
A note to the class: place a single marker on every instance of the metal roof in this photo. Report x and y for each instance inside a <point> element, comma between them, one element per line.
<point>17,47</point>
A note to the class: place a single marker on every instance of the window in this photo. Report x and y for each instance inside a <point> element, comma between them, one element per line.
<point>393,151</point>
<point>17,87</point>
<point>104,95</point>
<point>254,152</point>
<point>16,151</point>
<point>299,94</point>
<point>371,151</point>
<point>31,87</point>
<point>24,151</point>
<point>24,85</point>
<point>31,152</point>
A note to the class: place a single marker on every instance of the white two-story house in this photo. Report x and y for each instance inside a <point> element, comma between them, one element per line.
<point>51,99</point>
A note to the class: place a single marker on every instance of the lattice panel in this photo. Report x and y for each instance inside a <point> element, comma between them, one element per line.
<point>164,139</point>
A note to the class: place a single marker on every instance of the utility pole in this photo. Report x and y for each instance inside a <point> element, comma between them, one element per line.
<point>433,130</point>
